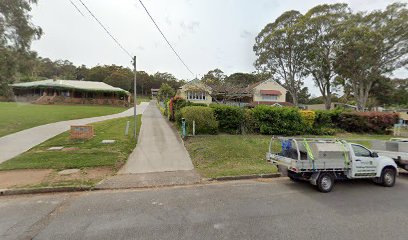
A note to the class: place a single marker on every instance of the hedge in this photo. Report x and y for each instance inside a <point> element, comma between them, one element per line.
<point>230,118</point>
<point>205,121</point>
<point>326,118</point>
<point>279,121</point>
<point>250,123</point>
<point>369,122</point>
<point>275,120</point>
<point>308,117</point>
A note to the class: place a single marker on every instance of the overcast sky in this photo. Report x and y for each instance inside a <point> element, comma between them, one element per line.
<point>207,34</point>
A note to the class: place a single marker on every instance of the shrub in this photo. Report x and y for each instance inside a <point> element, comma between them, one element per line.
<point>196,104</point>
<point>175,104</point>
<point>229,118</point>
<point>308,117</point>
<point>205,121</point>
<point>326,118</point>
<point>370,122</point>
<point>250,124</point>
<point>279,121</point>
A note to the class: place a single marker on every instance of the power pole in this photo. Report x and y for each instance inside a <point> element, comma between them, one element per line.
<point>135,98</point>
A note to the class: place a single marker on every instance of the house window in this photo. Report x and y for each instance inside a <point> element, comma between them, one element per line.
<point>195,95</point>
<point>269,97</point>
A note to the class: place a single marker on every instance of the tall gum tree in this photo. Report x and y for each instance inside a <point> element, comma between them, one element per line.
<point>373,45</point>
<point>322,26</point>
<point>16,34</point>
<point>280,50</point>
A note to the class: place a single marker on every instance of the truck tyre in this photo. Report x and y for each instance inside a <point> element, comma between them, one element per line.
<point>325,182</point>
<point>292,176</point>
<point>388,176</point>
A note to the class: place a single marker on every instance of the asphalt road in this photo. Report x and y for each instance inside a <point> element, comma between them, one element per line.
<point>268,209</point>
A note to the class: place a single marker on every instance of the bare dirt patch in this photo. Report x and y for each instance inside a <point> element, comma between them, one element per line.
<point>15,178</point>
<point>84,175</point>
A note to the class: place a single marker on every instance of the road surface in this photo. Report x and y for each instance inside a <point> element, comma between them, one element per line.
<point>250,209</point>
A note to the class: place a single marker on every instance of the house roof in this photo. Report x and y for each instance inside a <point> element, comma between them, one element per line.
<point>70,84</point>
<point>254,85</point>
<point>271,92</point>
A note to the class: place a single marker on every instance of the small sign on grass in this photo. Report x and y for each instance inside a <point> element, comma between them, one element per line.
<point>82,132</point>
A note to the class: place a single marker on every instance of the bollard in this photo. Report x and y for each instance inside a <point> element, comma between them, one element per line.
<point>183,127</point>
<point>127,128</point>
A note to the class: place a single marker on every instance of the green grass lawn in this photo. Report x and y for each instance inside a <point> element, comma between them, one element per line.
<point>143,98</point>
<point>83,153</point>
<point>15,117</point>
<point>233,155</point>
<point>229,155</point>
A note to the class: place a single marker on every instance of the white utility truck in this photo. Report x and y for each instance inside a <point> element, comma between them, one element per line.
<point>395,148</point>
<point>323,161</point>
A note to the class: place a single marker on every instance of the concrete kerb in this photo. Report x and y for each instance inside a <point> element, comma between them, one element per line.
<point>244,177</point>
<point>20,191</point>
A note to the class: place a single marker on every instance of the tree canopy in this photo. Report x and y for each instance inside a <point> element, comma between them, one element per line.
<point>336,47</point>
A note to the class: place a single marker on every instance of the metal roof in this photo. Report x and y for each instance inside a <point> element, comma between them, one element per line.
<point>70,84</point>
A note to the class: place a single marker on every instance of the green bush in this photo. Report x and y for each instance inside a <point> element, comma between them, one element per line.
<point>196,104</point>
<point>308,117</point>
<point>279,121</point>
<point>230,118</point>
<point>368,122</point>
<point>205,121</point>
<point>250,124</point>
<point>326,118</point>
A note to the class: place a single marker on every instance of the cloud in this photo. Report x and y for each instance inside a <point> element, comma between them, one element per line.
<point>190,27</point>
<point>168,21</point>
<point>245,34</point>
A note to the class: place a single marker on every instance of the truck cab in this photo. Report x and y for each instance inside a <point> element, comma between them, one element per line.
<point>323,161</point>
<point>367,163</point>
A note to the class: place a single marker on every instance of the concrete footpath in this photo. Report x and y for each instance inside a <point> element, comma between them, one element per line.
<point>17,143</point>
<point>159,150</point>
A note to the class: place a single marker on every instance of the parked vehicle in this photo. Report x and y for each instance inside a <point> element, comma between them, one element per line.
<point>323,161</point>
<point>395,148</point>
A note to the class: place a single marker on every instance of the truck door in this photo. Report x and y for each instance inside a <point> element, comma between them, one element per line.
<point>364,165</point>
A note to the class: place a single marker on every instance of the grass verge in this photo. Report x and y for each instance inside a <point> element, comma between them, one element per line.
<point>15,117</point>
<point>234,155</point>
<point>80,153</point>
<point>229,155</point>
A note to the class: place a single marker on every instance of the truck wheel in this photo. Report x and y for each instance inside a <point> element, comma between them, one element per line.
<point>325,182</point>
<point>388,177</point>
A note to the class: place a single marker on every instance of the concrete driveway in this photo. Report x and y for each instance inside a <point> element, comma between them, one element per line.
<point>17,143</point>
<point>268,209</point>
<point>159,148</point>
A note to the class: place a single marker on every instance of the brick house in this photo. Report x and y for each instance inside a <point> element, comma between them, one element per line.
<point>53,91</point>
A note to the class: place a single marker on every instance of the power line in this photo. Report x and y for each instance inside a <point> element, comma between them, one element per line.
<point>165,38</point>
<point>106,30</point>
<point>77,8</point>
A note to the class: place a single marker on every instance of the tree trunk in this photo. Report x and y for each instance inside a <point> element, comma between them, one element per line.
<point>294,98</point>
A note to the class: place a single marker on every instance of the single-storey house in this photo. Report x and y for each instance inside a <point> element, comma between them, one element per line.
<point>196,91</point>
<point>70,91</point>
<point>154,92</point>
<point>266,92</point>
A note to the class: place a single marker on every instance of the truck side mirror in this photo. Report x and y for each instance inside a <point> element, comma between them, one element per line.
<point>374,154</point>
